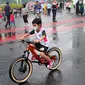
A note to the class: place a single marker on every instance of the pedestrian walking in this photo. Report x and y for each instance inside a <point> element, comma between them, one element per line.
<point>49,8</point>
<point>15,12</point>
<point>3,15</point>
<point>38,9</point>
<point>54,8</point>
<point>7,10</point>
<point>12,19</point>
<point>61,6</point>
<point>81,8</point>
<point>84,10</point>
<point>45,8</point>
<point>0,17</point>
<point>68,6</point>
<point>25,17</point>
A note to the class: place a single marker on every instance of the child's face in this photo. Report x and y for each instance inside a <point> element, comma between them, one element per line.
<point>36,27</point>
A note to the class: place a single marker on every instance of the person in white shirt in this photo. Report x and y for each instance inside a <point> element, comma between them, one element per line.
<point>25,16</point>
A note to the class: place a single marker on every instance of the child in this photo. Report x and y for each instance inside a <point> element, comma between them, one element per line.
<point>12,19</point>
<point>0,17</point>
<point>41,41</point>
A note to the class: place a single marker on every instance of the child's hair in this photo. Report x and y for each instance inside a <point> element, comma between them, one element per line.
<point>24,5</point>
<point>11,12</point>
<point>7,3</point>
<point>37,21</point>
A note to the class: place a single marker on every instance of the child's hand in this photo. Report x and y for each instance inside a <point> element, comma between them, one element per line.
<point>21,38</point>
<point>36,41</point>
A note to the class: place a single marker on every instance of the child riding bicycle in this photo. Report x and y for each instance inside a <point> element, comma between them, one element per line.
<point>41,43</point>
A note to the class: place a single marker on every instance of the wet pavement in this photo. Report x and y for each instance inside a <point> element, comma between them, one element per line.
<point>68,34</point>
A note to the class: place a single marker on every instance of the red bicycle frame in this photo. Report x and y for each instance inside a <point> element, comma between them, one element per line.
<point>35,55</point>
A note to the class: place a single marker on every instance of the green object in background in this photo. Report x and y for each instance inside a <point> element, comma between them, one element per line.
<point>84,6</point>
<point>12,6</point>
<point>15,5</point>
<point>72,5</point>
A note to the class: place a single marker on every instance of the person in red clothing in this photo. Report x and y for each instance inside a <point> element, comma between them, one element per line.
<point>12,19</point>
<point>0,17</point>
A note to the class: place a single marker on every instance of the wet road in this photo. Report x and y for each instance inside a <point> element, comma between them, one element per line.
<point>69,35</point>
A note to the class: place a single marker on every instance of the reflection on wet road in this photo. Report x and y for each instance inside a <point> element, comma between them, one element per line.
<point>52,78</point>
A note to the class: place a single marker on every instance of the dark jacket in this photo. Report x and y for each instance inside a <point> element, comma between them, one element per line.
<point>7,10</point>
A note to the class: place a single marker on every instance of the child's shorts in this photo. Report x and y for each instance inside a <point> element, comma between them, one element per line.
<point>41,47</point>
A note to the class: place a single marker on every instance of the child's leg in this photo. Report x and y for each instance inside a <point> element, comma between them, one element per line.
<point>14,24</point>
<point>44,50</point>
<point>45,56</point>
<point>10,23</point>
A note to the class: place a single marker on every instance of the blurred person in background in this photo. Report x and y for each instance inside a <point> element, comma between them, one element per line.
<point>7,10</point>
<point>68,6</point>
<point>49,6</point>
<point>12,19</point>
<point>61,6</point>
<point>0,17</point>
<point>84,9</point>
<point>15,12</point>
<point>37,9</point>
<point>54,8</point>
<point>4,17</point>
<point>25,17</point>
<point>45,8</point>
<point>79,7</point>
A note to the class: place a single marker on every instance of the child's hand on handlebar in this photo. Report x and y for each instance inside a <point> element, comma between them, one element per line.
<point>36,41</point>
<point>21,38</point>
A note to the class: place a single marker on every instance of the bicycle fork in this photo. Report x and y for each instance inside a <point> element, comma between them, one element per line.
<point>23,66</point>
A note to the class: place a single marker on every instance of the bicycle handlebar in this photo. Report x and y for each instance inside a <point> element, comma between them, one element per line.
<point>28,42</point>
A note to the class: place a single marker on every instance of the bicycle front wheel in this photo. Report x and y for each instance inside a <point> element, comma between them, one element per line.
<point>20,70</point>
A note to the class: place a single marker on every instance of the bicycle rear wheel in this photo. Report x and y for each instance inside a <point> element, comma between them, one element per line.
<point>56,56</point>
<point>20,70</point>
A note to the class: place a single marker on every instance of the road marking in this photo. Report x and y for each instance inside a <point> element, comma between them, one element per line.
<point>50,24</point>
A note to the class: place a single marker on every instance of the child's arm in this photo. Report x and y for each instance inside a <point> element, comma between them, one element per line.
<point>27,34</point>
<point>43,35</point>
<point>42,38</point>
<point>37,41</point>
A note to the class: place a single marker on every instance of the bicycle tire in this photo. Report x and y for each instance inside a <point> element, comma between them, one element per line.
<point>59,54</point>
<point>11,70</point>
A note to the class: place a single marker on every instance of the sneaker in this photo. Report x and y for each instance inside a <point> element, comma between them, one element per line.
<point>6,26</point>
<point>50,65</point>
<point>55,21</point>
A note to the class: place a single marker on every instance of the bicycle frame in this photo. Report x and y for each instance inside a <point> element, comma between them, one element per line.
<point>34,54</point>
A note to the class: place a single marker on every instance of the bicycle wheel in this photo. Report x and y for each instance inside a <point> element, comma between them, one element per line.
<point>55,55</point>
<point>20,70</point>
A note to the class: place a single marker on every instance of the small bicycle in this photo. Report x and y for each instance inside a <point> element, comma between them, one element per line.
<point>21,69</point>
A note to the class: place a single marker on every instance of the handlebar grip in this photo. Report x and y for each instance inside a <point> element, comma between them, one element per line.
<point>28,42</point>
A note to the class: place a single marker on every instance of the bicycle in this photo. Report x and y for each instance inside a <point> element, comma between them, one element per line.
<point>25,66</point>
